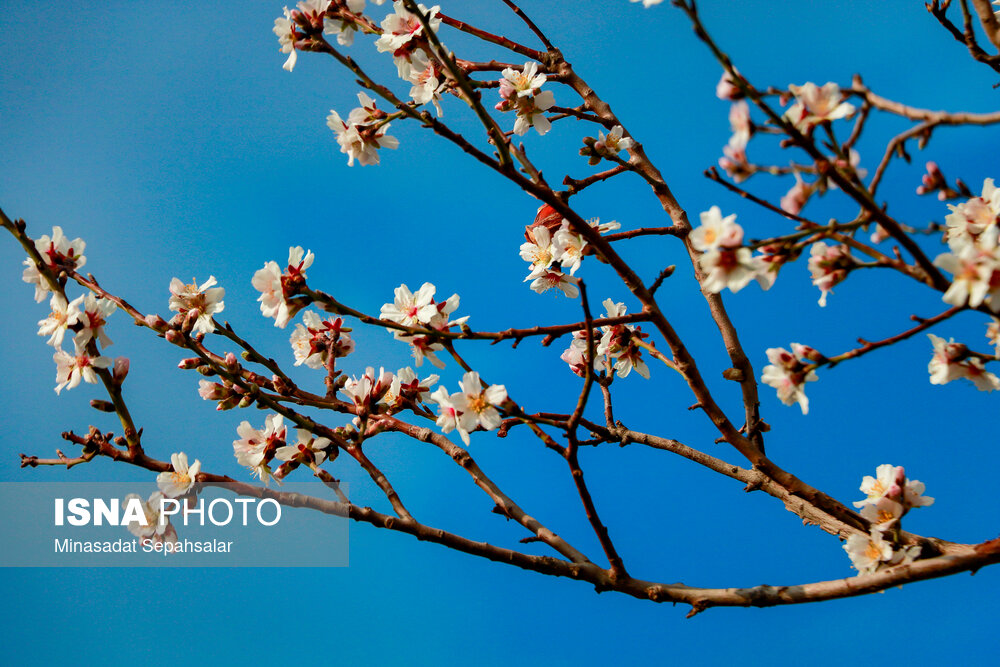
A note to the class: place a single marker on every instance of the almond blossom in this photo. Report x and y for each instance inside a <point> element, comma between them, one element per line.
<point>155,526</point>
<point>727,89</point>
<point>403,33</point>
<point>618,343</point>
<point>96,312</point>
<point>450,410</point>
<point>342,25</point>
<point>613,143</point>
<point>973,217</point>
<point>309,449</point>
<point>951,361</point>
<point>795,199</point>
<point>993,334</point>
<point>867,552</point>
<point>815,105</point>
<point>256,448</point>
<point>829,265</point>
<point>360,143</point>
<point>521,92</point>
<point>407,387</point>
<point>284,29</point>
<point>883,513</point>
<point>178,482</point>
<point>71,368</point>
<point>63,315</point>
<point>314,339</point>
<point>555,279</point>
<point>538,251</point>
<point>367,390</point>
<point>474,406</point>
<point>788,375</point>
<point>734,159</point>
<point>196,303</point>
<point>576,354</point>
<point>425,75</point>
<point>411,309</point>
<point>59,252</point>
<point>481,403</point>
<point>975,266</point>
<point>888,482</point>
<point>277,287</point>
<point>716,231</point>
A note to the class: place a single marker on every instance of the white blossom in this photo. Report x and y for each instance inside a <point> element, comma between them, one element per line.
<point>521,92</point>
<point>867,552</point>
<point>197,302</point>
<point>63,315</point>
<point>788,376</point>
<point>815,105</point>
<point>71,368</point>
<point>178,482</point>
<point>95,315</point>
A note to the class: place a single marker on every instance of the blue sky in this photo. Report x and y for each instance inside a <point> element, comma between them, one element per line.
<point>175,145</point>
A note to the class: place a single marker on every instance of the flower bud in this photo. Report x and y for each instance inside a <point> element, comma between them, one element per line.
<point>156,323</point>
<point>119,371</point>
<point>103,406</point>
<point>189,363</point>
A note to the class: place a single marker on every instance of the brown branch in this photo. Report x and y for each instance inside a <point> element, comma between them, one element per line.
<point>491,38</point>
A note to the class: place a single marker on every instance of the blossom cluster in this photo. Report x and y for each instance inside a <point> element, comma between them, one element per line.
<point>814,105</point>
<point>889,496</point>
<point>974,258</point>
<point>553,248</point>
<point>953,361</point>
<point>84,316</point>
<point>724,261</point>
<point>789,372</point>
<point>618,348</point>
<point>521,93</point>
<point>363,133</point>
<point>420,311</point>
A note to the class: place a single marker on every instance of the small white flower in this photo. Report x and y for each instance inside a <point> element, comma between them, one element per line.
<point>553,278</point>
<point>343,27</point>
<point>613,143</point>
<point>409,309</point>
<point>198,302</point>
<point>451,408</point>
<point>308,449</point>
<point>273,284</point>
<point>178,482</point>
<point>882,513</point>
<point>867,552</point>
<point>154,525</point>
<point>313,340</point>
<point>788,376</point>
<point>887,483</point>
<point>716,232</point>
<point>480,403</point>
<point>815,105</point>
<point>95,315</point>
<point>950,362</point>
<point>71,368</point>
<point>829,265</point>
<point>284,29</point>
<point>58,251</point>
<point>63,315</point>
<point>521,92</point>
